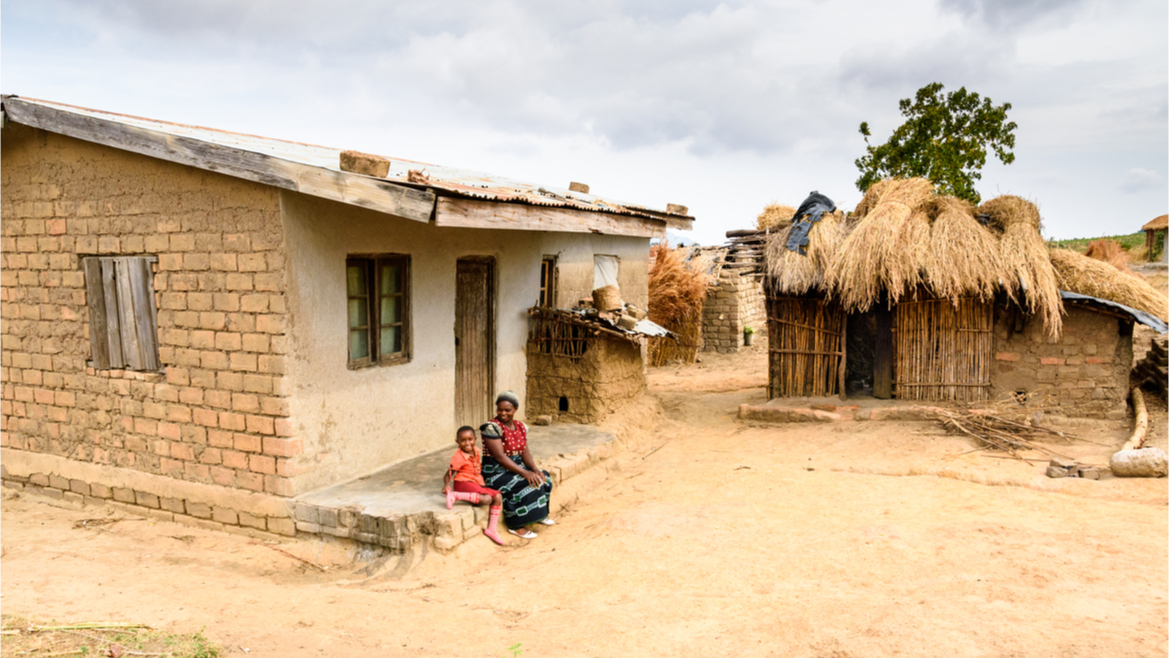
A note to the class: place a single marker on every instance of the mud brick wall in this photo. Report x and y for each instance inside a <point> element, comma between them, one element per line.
<point>733,303</point>
<point>608,376</point>
<point>1083,373</point>
<point>217,413</point>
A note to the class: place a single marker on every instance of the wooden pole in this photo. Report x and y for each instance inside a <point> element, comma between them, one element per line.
<point>1141,424</point>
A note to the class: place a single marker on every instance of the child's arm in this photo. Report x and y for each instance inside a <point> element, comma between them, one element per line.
<point>446,481</point>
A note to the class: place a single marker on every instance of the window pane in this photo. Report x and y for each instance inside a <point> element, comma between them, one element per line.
<point>358,313</point>
<point>356,280</point>
<point>391,310</point>
<point>391,340</point>
<point>391,279</point>
<point>358,344</point>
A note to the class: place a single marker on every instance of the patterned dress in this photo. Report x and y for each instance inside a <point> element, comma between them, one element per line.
<point>522,504</point>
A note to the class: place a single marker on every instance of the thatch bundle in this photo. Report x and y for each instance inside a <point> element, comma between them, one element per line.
<point>677,292</point>
<point>888,248</point>
<point>1109,251</point>
<point>793,273</point>
<point>1024,253</point>
<point>964,254</point>
<point>775,214</point>
<point>1088,276</point>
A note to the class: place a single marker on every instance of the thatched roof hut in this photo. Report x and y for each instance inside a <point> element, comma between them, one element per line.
<point>1155,236</point>
<point>904,241</point>
<point>932,281</point>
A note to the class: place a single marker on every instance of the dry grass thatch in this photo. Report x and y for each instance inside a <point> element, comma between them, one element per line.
<point>1109,251</point>
<point>1025,259</point>
<point>1078,273</point>
<point>793,273</point>
<point>888,248</point>
<point>677,292</point>
<point>774,215</point>
<point>964,254</point>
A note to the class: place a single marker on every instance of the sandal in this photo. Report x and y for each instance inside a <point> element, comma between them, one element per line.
<point>528,534</point>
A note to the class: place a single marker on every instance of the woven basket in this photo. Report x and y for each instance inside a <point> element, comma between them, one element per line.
<point>607,299</point>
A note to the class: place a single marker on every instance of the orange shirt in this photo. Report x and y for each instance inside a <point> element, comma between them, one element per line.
<point>468,468</point>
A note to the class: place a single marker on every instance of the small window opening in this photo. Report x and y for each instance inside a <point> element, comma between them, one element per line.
<point>563,403</point>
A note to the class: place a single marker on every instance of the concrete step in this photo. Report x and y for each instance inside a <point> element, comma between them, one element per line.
<point>401,506</point>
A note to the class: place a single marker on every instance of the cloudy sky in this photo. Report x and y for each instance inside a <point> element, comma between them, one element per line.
<point>722,107</point>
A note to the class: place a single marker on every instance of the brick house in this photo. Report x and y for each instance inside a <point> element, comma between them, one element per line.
<point>210,323</point>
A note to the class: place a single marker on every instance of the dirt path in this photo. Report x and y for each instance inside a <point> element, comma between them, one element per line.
<point>714,538</point>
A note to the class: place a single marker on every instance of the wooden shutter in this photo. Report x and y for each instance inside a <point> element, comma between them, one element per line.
<point>123,321</point>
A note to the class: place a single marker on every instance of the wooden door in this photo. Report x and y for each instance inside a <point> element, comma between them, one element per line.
<point>474,340</point>
<point>943,350</point>
<point>805,347</point>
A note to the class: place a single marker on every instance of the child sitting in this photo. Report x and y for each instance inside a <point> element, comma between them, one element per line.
<point>464,481</point>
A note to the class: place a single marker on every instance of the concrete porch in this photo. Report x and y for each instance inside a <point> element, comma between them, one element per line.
<point>401,505</point>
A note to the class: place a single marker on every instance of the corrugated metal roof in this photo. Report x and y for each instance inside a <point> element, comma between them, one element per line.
<point>442,179</point>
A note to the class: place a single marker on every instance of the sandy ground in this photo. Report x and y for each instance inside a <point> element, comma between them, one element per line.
<point>713,538</point>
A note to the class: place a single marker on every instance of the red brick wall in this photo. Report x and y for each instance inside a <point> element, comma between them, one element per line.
<point>218,414</point>
<point>1083,373</point>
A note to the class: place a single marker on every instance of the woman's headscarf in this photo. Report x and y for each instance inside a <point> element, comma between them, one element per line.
<point>508,396</point>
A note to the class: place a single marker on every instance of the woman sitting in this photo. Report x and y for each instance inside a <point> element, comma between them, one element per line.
<point>508,467</point>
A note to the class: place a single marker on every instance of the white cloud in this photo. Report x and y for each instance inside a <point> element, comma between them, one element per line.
<point>721,106</point>
<point>1139,180</point>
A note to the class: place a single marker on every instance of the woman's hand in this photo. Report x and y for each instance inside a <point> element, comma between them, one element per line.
<point>535,479</point>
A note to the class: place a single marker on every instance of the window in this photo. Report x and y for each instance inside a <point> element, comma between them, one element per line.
<point>379,309</point>
<point>123,321</point>
<point>605,271</point>
<point>548,281</point>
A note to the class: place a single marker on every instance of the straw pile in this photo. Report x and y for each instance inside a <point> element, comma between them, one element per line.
<point>793,273</point>
<point>1025,258</point>
<point>1109,251</point>
<point>677,292</point>
<point>888,248</point>
<point>773,215</point>
<point>1078,273</point>
<point>965,254</point>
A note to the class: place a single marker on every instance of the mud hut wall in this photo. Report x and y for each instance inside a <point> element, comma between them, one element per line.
<point>733,303</point>
<point>1083,373</point>
<point>352,421</point>
<point>606,378</point>
<point>574,262</point>
<point>218,412</point>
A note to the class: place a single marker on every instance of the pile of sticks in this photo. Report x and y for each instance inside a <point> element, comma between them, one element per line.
<point>995,430</point>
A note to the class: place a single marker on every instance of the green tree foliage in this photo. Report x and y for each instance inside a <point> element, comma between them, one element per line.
<point>945,139</point>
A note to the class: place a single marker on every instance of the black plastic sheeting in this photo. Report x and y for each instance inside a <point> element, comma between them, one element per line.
<point>806,216</point>
<point>1139,316</point>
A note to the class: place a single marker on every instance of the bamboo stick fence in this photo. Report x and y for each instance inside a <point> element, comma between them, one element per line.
<point>942,350</point>
<point>805,347</point>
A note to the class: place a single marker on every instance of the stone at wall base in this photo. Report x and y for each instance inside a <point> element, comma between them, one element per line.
<point>1145,462</point>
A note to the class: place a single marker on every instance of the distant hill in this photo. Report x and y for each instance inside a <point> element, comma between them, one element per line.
<point>1081,244</point>
<point>675,240</point>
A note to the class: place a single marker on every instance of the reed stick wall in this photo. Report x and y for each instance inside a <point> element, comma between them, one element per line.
<point>805,347</point>
<point>685,348</point>
<point>558,338</point>
<point>943,351</point>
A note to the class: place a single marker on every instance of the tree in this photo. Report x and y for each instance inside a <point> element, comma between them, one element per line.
<point>944,139</point>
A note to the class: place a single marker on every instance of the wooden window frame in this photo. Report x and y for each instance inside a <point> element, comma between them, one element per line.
<point>373,298</point>
<point>123,315</point>
<point>549,282</point>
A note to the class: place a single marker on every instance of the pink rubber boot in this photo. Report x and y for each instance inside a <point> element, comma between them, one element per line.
<point>492,523</point>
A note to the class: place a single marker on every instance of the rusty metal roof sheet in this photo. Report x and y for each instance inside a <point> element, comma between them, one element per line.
<point>449,180</point>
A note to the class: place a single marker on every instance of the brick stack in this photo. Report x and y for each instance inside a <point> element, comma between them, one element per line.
<point>733,303</point>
